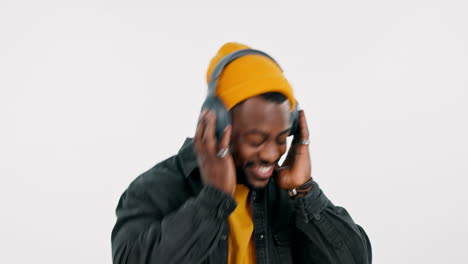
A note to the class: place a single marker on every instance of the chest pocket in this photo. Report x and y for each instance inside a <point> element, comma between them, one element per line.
<point>282,241</point>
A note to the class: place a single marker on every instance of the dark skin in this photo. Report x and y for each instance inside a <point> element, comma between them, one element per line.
<point>257,138</point>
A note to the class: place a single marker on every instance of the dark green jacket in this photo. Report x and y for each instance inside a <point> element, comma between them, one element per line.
<point>167,215</point>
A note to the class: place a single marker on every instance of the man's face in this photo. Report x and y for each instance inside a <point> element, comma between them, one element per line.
<point>259,132</point>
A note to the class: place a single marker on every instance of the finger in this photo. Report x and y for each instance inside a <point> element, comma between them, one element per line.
<point>303,126</point>
<point>226,139</point>
<point>209,137</point>
<point>200,128</point>
<point>303,135</point>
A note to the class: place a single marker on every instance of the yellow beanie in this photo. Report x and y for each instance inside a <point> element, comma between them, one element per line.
<point>248,76</point>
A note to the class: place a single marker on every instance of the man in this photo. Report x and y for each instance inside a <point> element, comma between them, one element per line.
<point>224,199</point>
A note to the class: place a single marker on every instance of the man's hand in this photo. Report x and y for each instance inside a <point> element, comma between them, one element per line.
<point>214,159</point>
<point>296,169</point>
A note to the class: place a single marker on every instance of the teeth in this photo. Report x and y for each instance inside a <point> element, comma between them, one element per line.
<point>263,169</point>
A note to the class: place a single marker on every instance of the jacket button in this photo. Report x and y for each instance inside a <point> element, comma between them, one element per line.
<point>254,196</point>
<point>223,237</point>
<point>261,237</point>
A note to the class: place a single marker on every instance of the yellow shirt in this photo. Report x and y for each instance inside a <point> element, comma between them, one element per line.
<point>241,241</point>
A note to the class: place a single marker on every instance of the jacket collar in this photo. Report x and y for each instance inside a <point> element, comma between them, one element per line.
<point>187,157</point>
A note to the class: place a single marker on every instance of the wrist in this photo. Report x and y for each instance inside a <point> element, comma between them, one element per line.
<point>302,189</point>
<point>227,189</point>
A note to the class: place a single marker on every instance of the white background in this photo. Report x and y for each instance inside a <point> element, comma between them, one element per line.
<point>93,93</point>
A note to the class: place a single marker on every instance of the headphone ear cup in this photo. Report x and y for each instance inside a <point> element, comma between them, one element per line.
<point>294,120</point>
<point>223,117</point>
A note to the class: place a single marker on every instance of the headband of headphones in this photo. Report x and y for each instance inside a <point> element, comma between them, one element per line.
<point>228,59</point>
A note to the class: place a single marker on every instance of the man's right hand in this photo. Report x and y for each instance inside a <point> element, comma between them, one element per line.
<point>218,171</point>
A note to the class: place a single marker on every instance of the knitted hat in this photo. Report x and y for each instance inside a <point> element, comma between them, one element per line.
<point>248,76</point>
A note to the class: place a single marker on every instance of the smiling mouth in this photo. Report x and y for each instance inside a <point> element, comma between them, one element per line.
<point>262,172</point>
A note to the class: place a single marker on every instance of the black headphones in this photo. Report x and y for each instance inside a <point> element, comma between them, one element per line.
<point>213,103</point>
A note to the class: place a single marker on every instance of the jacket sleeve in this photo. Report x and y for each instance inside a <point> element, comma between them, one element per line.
<point>327,233</point>
<point>142,235</point>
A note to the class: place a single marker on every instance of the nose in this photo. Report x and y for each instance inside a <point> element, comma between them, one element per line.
<point>270,153</point>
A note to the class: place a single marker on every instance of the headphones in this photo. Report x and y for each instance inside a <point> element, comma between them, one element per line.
<point>213,103</point>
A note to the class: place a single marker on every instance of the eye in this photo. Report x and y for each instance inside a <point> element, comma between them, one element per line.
<point>282,139</point>
<point>282,142</point>
<point>255,140</point>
